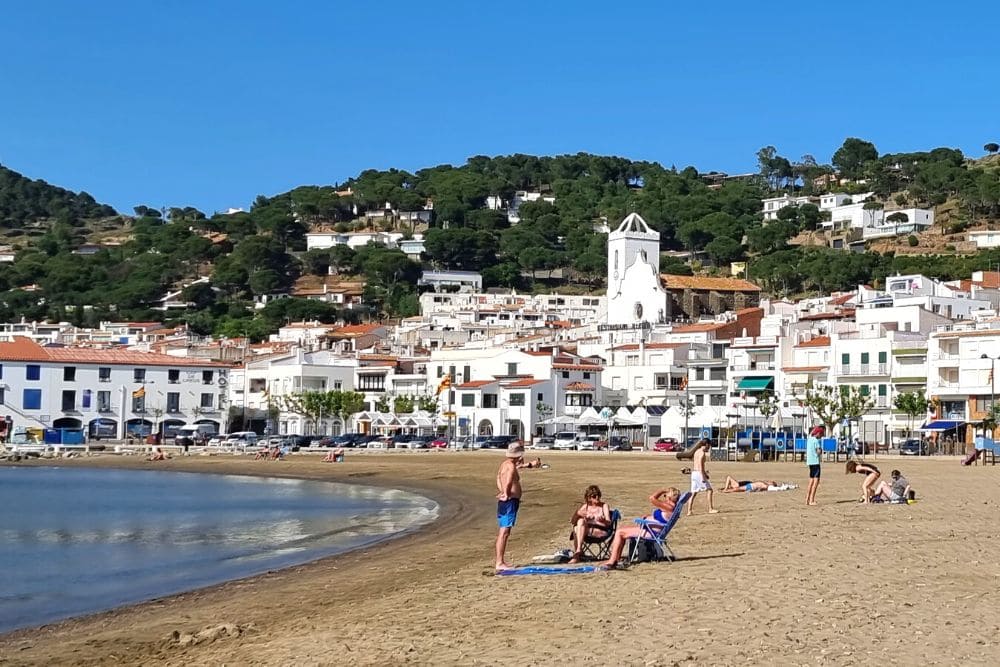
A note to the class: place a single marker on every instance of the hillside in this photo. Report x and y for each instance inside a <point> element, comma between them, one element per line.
<point>525,222</point>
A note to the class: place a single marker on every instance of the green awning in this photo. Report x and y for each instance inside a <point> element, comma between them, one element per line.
<point>755,384</point>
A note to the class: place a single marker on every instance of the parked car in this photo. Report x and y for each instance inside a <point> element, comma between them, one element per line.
<point>241,439</point>
<point>667,445</point>
<point>217,439</point>
<point>321,441</point>
<point>379,442</point>
<point>619,443</point>
<point>417,442</point>
<point>589,442</point>
<point>498,441</point>
<point>913,447</point>
<point>565,440</point>
<point>544,442</point>
<point>441,442</point>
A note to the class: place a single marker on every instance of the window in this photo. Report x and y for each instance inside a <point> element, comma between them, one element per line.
<point>699,399</point>
<point>845,360</point>
<point>173,402</point>
<point>173,376</point>
<point>138,375</point>
<point>371,383</point>
<point>207,377</point>
<point>337,385</point>
<point>32,399</point>
<point>440,371</point>
<point>565,374</point>
<point>512,369</point>
<point>864,358</point>
<point>882,357</point>
<point>139,404</point>
<point>468,400</point>
<point>717,399</point>
<point>984,404</point>
<point>699,374</point>
<point>580,400</point>
<point>540,397</point>
<point>516,400</point>
<point>33,372</point>
<point>104,401</point>
<point>3,395</point>
<point>207,401</point>
<point>68,400</point>
<point>69,374</point>
<point>104,374</point>
<point>586,376</point>
<point>489,400</point>
<point>85,399</point>
<point>466,373</point>
<point>1,371</point>
<point>864,389</point>
<point>661,380</point>
<point>882,390</point>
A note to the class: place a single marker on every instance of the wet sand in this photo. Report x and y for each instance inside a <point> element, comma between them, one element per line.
<point>766,581</point>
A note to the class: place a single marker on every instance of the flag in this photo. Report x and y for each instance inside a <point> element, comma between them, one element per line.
<point>684,383</point>
<point>139,393</point>
<point>445,383</point>
<point>267,394</point>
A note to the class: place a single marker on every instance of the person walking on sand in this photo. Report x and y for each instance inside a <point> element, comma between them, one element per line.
<point>509,497</point>
<point>813,452</point>
<point>699,477</point>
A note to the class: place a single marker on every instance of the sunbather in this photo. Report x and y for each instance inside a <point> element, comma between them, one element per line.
<point>334,456</point>
<point>747,486</point>
<point>592,519</point>
<point>157,455</point>
<point>663,501</point>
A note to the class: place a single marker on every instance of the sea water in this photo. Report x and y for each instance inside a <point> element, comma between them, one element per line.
<point>75,541</point>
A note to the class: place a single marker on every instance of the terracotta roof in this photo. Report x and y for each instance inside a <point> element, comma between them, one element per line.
<point>538,353</point>
<point>523,382</point>
<point>475,384</point>
<point>356,330</point>
<point>723,284</point>
<point>804,369</point>
<point>377,357</point>
<point>842,299</point>
<point>818,341</point>
<point>25,349</point>
<point>837,315</point>
<point>577,367</point>
<point>966,334</point>
<point>579,386</point>
<point>560,324</point>
<point>649,346</point>
<point>692,328</point>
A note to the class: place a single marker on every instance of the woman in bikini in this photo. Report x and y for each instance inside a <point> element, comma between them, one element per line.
<point>663,501</point>
<point>592,519</point>
<point>871,474</point>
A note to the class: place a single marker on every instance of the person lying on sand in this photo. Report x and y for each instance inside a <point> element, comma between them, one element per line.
<point>747,486</point>
<point>663,501</point>
<point>334,456</point>
<point>592,519</point>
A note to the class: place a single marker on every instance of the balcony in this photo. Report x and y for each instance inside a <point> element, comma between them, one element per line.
<point>755,367</point>
<point>865,369</point>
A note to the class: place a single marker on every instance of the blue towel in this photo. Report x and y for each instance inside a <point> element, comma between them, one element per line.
<point>537,569</point>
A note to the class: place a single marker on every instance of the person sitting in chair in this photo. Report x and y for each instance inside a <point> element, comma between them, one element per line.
<point>592,519</point>
<point>747,486</point>
<point>663,501</point>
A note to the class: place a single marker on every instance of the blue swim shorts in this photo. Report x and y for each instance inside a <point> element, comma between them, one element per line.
<point>507,512</point>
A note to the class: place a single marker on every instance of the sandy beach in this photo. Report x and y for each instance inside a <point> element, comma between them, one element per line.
<point>766,581</point>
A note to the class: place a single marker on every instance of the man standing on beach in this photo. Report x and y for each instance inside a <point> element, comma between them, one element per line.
<point>813,453</point>
<point>509,497</point>
<point>699,476</point>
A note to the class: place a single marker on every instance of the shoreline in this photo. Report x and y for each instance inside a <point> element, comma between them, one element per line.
<point>369,541</point>
<point>838,584</point>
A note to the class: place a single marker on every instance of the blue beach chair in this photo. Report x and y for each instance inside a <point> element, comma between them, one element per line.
<point>655,533</point>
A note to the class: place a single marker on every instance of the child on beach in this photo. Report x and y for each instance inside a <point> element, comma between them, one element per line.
<point>871,474</point>
<point>592,519</point>
<point>699,477</point>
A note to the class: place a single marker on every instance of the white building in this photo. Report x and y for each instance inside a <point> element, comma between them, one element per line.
<point>521,197</point>
<point>771,206</point>
<point>458,281</point>
<point>109,392</point>
<point>985,239</point>
<point>354,240</point>
<point>962,376</point>
<point>917,220</point>
<point>635,294</point>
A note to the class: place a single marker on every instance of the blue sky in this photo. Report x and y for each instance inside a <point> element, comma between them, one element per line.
<point>208,103</point>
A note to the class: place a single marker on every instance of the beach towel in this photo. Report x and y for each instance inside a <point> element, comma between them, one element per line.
<point>783,487</point>
<point>537,569</point>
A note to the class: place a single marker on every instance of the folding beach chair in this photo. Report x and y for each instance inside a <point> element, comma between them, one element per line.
<point>655,534</point>
<point>599,548</point>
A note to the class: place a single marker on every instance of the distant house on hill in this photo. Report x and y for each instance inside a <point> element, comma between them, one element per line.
<point>329,289</point>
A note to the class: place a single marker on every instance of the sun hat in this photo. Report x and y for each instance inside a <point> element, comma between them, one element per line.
<point>515,450</point>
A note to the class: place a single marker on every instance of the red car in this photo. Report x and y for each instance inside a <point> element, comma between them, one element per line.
<point>667,445</point>
<point>439,443</point>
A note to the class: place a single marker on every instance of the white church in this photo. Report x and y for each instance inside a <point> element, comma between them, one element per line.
<point>636,298</point>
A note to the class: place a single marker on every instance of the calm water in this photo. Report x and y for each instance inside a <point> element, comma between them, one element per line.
<point>76,541</point>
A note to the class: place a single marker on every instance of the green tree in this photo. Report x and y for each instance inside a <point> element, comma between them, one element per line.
<point>912,404</point>
<point>871,208</point>
<point>991,148</point>
<point>852,157</point>
<point>897,218</point>
<point>723,250</point>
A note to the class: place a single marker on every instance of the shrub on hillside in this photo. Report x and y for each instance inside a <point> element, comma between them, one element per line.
<point>913,241</point>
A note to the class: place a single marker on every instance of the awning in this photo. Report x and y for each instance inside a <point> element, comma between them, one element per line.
<point>755,384</point>
<point>940,426</point>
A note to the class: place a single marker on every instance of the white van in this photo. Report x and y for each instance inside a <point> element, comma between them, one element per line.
<point>565,440</point>
<point>194,434</point>
<point>241,440</point>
